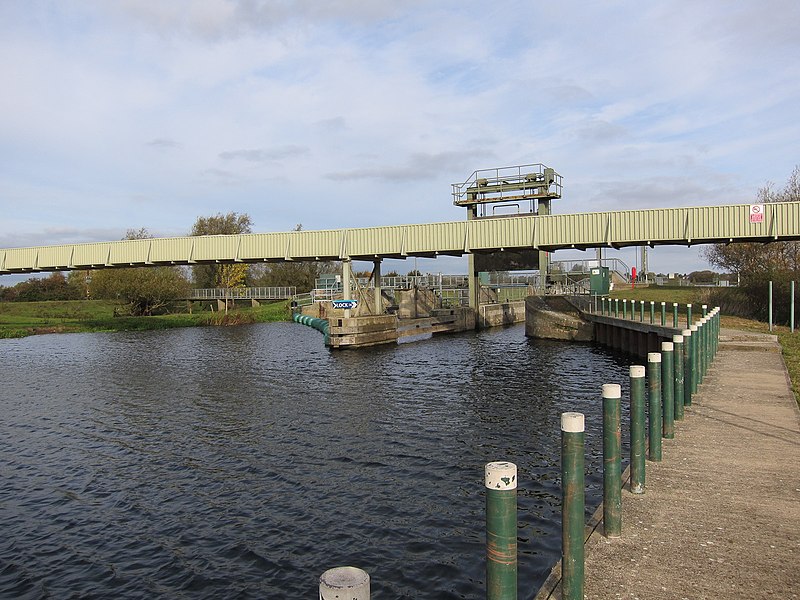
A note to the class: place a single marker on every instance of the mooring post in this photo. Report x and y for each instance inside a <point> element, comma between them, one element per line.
<point>668,389</point>
<point>641,312</point>
<point>351,583</point>
<point>688,315</point>
<point>677,342</point>
<point>624,308</point>
<point>652,312</point>
<point>572,506</point>
<point>663,314</point>
<point>612,460</point>
<point>654,389</point>
<point>638,429</point>
<point>616,308</point>
<point>675,315</point>
<point>500,479</point>
<point>694,359</point>
<point>687,367</point>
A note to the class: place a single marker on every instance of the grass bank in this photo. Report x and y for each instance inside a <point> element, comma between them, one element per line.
<point>20,319</point>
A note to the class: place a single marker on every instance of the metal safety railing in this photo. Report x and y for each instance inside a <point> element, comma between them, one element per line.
<point>244,293</point>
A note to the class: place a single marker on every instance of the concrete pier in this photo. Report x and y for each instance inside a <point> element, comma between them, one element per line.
<point>721,514</point>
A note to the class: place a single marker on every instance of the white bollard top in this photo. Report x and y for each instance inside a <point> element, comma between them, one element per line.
<point>572,422</point>
<point>674,304</point>
<point>689,304</point>
<point>686,333</point>
<point>663,304</point>
<point>654,357</point>
<point>693,328</point>
<point>500,475</point>
<point>612,390</point>
<point>667,347</point>
<point>677,339</point>
<point>637,370</point>
<point>705,306</point>
<point>344,582</point>
<point>624,299</point>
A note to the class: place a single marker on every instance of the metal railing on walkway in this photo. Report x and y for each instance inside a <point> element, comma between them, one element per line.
<point>245,293</point>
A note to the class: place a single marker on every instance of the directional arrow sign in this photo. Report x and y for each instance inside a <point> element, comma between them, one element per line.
<point>344,303</point>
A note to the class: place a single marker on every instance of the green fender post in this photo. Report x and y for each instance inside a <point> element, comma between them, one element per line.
<point>624,308</point>
<point>638,429</point>
<point>688,315</point>
<point>616,308</point>
<point>654,390</point>
<point>687,367</point>
<point>652,312</point>
<point>500,479</point>
<point>663,314</point>
<point>572,507</point>
<point>612,460</point>
<point>677,342</point>
<point>693,359</point>
<point>668,389</point>
<point>641,311</point>
<point>675,315</point>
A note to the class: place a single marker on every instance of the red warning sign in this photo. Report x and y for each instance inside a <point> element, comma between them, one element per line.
<point>756,213</point>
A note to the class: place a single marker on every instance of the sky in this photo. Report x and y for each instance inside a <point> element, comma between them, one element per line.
<point>122,114</point>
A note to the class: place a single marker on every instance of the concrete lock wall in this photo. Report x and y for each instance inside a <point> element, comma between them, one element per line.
<point>495,315</point>
<point>415,303</point>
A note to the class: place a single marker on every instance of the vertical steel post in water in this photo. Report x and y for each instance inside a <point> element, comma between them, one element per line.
<point>663,314</point>
<point>624,308</point>
<point>652,312</point>
<point>687,366</point>
<point>572,507</point>
<point>668,389</point>
<point>500,479</point>
<point>677,342</point>
<point>612,460</point>
<point>638,428</point>
<point>654,390</point>
<point>704,308</point>
<point>675,315</point>
<point>616,308</point>
<point>693,358</point>
<point>641,312</point>
<point>344,582</point>
<point>688,315</point>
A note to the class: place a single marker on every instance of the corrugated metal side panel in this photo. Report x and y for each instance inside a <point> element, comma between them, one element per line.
<point>787,218</point>
<point>54,256</point>
<point>310,244</point>
<point>20,258</point>
<point>433,237</point>
<point>129,252</point>
<point>170,250</point>
<point>87,255</point>
<point>263,246</point>
<point>215,247</point>
<point>375,240</point>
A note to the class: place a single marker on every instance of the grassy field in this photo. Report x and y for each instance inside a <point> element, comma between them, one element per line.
<point>20,319</point>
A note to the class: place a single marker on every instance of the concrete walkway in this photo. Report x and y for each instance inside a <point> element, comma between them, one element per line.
<point>721,514</point>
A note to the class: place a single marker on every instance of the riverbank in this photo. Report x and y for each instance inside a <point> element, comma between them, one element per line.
<point>720,517</point>
<point>21,319</point>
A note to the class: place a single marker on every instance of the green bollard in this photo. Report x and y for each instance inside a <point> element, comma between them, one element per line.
<point>704,308</point>
<point>638,429</point>
<point>573,505</point>
<point>694,359</point>
<point>663,314</point>
<point>668,389</point>
<point>688,315</point>
<point>654,390</point>
<point>616,308</point>
<point>500,479</point>
<point>641,311</point>
<point>675,315</point>
<point>344,582</point>
<point>687,367</point>
<point>677,342</point>
<point>652,312</point>
<point>612,461</point>
<point>624,308</point>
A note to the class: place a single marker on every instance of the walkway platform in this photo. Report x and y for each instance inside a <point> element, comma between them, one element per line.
<point>721,514</point>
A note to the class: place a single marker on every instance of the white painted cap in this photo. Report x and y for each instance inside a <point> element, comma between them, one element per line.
<point>572,422</point>
<point>344,582</point>
<point>500,475</point>
<point>674,304</point>
<point>654,357</point>
<point>624,299</point>
<point>689,304</point>
<point>686,333</point>
<point>667,347</point>
<point>677,339</point>
<point>705,306</point>
<point>637,370</point>
<point>612,390</point>
<point>663,304</point>
<point>693,328</point>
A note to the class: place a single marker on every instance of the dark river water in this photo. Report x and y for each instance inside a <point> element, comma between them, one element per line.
<point>243,462</point>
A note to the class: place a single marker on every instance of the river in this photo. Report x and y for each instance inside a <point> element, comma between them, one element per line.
<point>242,462</point>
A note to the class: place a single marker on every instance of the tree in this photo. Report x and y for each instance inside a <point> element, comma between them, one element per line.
<point>145,290</point>
<point>226,276</point>
<point>758,263</point>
